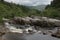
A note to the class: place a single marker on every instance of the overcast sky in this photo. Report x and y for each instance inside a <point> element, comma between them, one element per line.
<point>30,2</point>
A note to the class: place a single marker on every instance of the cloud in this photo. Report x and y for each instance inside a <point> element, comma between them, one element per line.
<point>30,2</point>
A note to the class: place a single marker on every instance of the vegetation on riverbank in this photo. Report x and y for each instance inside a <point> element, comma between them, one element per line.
<point>9,10</point>
<point>53,10</point>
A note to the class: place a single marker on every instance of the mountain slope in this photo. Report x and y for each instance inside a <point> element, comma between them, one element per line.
<point>9,10</point>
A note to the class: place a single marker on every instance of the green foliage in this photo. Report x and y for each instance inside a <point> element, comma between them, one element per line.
<point>53,10</point>
<point>9,10</point>
<point>55,3</point>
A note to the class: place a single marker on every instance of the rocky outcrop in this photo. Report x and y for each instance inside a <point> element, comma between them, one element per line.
<point>56,35</point>
<point>36,21</point>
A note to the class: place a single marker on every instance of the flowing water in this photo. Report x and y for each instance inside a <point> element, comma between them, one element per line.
<point>35,36</point>
<point>41,37</point>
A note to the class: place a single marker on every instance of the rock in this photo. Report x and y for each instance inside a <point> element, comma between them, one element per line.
<point>44,33</point>
<point>37,21</point>
<point>2,33</point>
<point>56,35</point>
<point>4,19</point>
<point>18,20</point>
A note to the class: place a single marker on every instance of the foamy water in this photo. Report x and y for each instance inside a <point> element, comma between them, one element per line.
<point>12,28</point>
<point>35,36</point>
<point>18,30</point>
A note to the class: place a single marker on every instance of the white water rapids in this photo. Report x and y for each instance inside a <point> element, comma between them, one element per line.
<point>18,30</point>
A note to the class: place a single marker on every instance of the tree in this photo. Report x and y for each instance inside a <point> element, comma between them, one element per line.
<point>55,3</point>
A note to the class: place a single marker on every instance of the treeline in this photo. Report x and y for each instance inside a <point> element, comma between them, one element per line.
<point>53,10</point>
<point>9,10</point>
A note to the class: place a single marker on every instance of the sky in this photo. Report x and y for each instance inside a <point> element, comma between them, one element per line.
<point>30,2</point>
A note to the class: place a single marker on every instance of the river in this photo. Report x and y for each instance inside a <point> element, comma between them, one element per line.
<point>41,37</point>
<point>34,36</point>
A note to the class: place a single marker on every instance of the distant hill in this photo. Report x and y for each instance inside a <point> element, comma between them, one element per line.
<point>38,7</point>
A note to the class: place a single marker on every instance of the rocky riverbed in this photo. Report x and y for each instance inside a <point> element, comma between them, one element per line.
<point>42,33</point>
<point>29,28</point>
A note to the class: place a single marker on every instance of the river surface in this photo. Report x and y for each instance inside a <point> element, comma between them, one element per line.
<point>35,36</point>
<point>41,37</point>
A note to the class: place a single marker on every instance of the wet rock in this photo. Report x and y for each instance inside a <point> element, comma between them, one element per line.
<point>2,33</point>
<point>56,35</point>
<point>42,21</point>
<point>3,30</point>
<point>44,33</point>
<point>30,31</point>
<point>18,21</point>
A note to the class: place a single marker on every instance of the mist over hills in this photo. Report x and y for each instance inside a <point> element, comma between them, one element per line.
<point>38,7</point>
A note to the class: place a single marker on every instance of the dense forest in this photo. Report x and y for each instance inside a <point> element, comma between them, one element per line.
<point>55,3</point>
<point>9,10</point>
<point>53,10</point>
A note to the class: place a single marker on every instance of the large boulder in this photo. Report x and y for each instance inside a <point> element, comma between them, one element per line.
<point>18,20</point>
<point>38,21</point>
